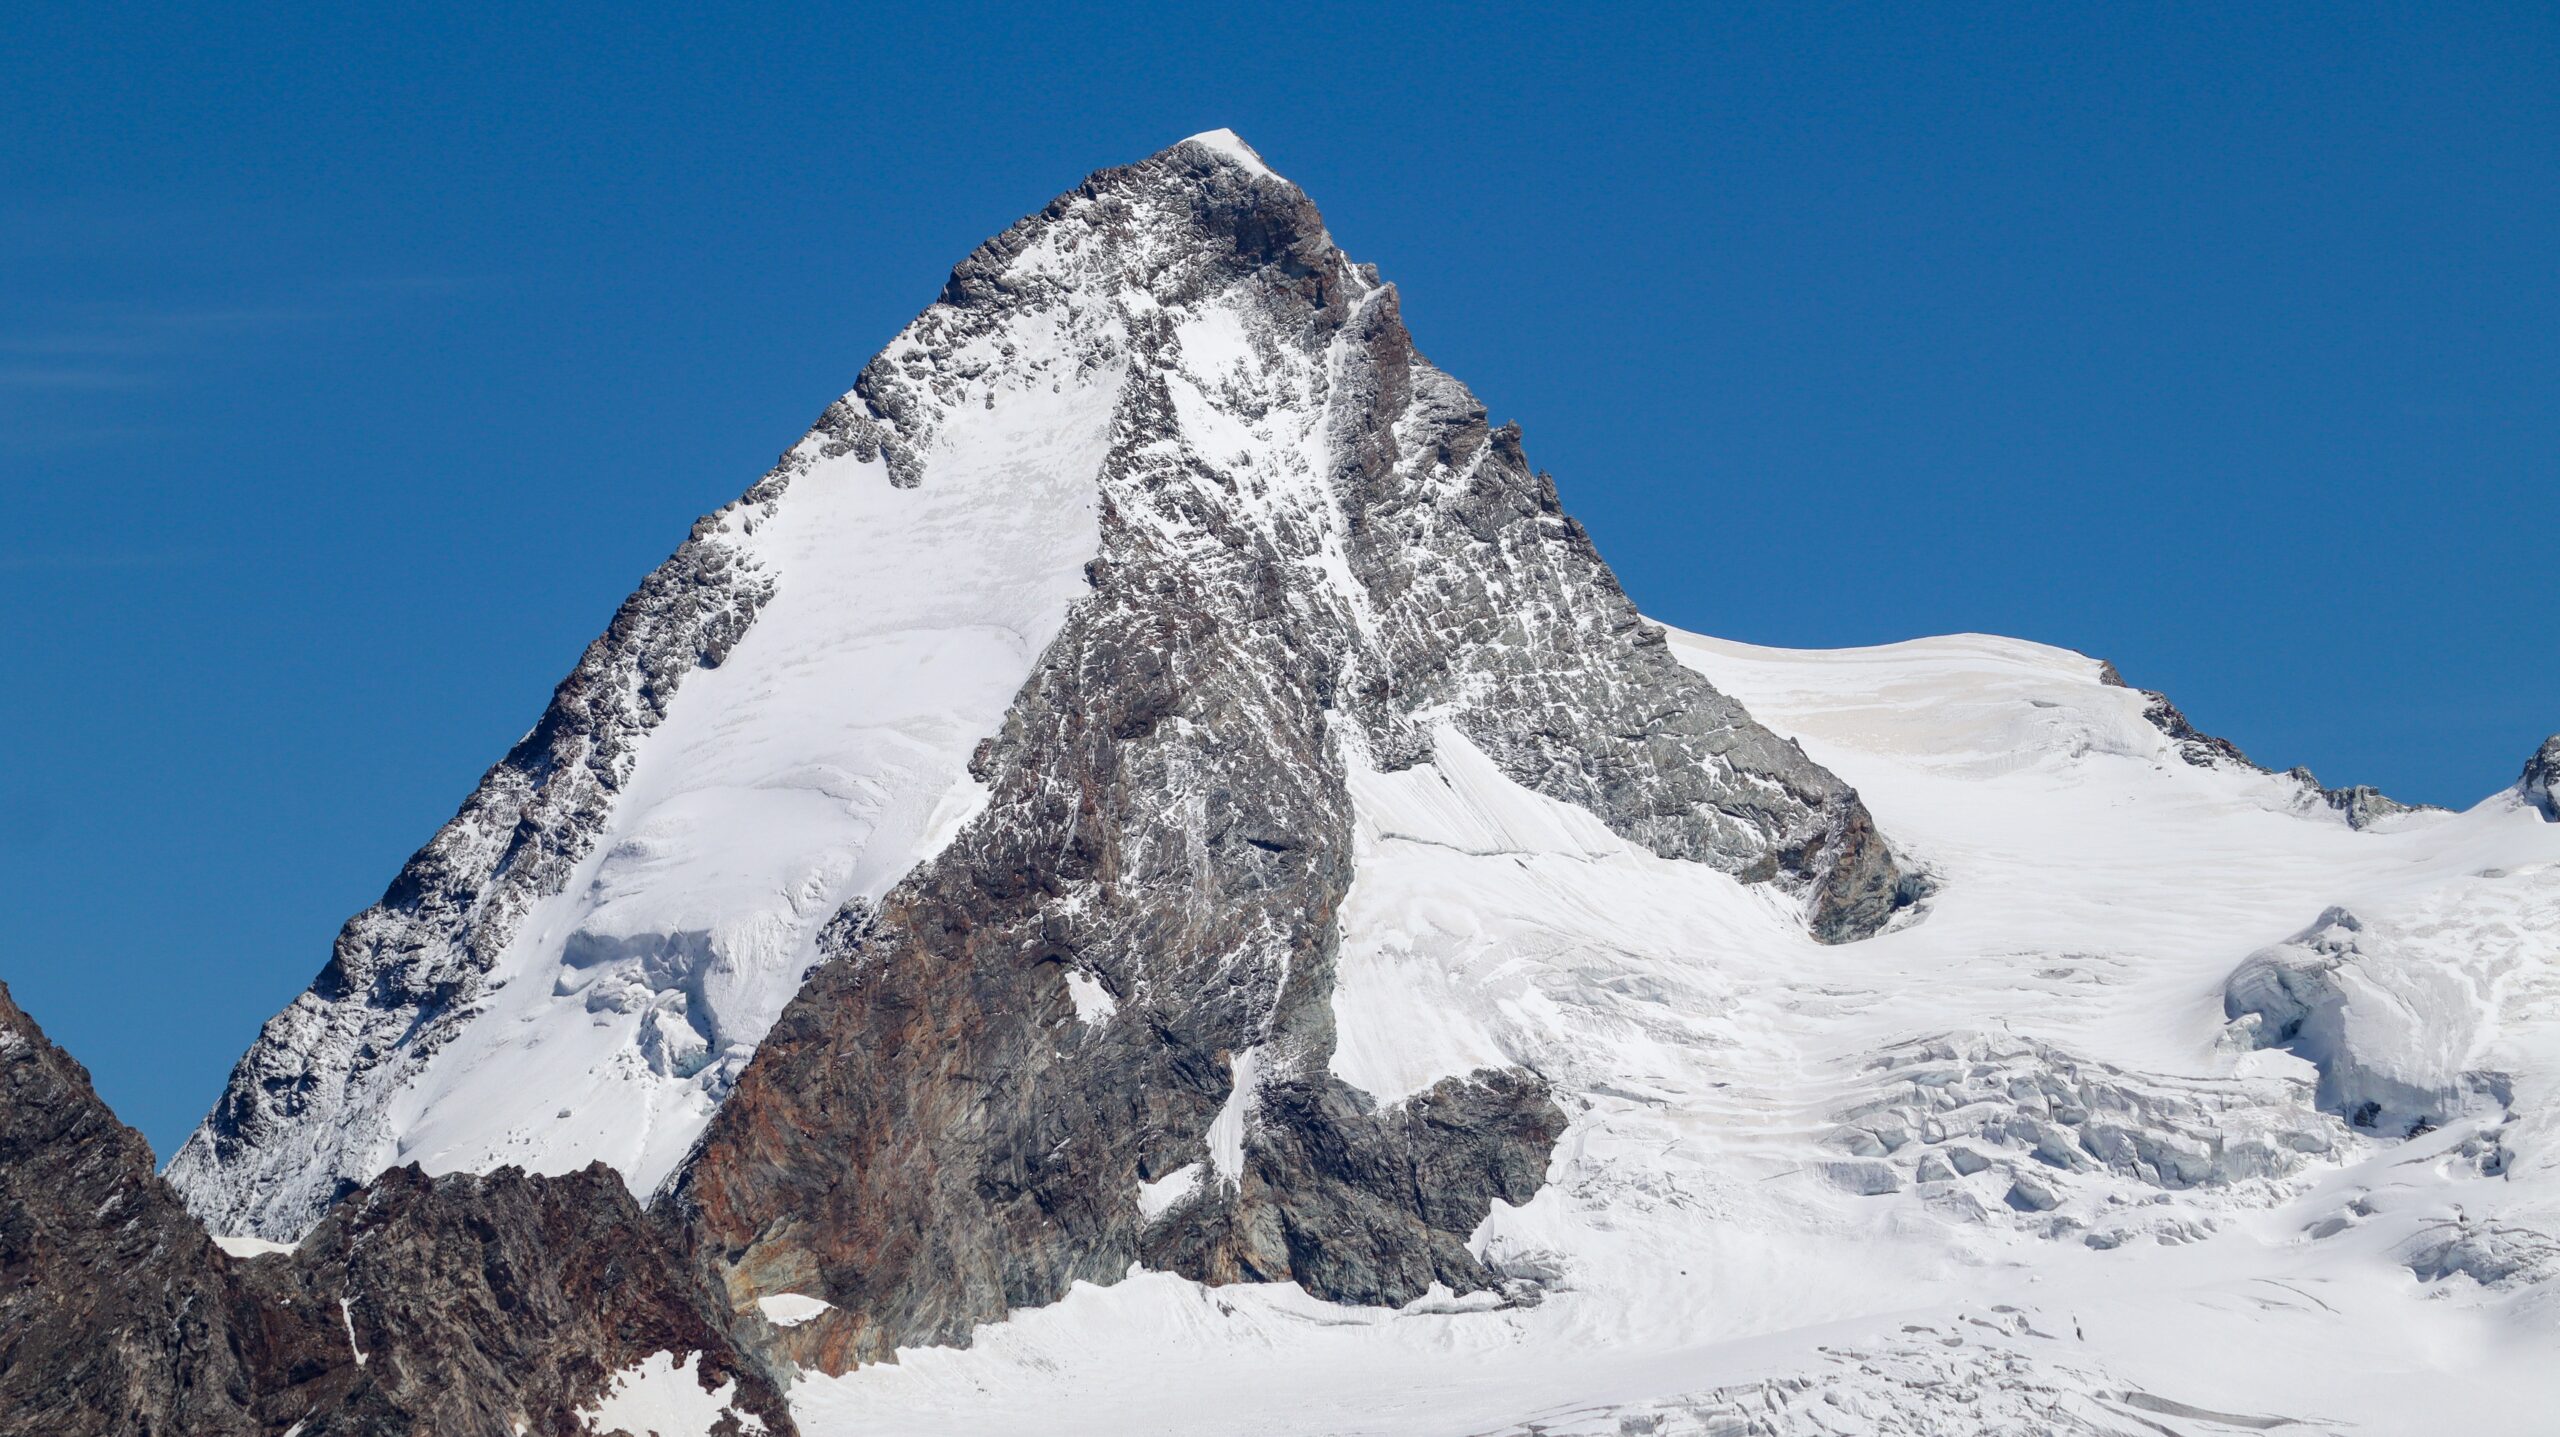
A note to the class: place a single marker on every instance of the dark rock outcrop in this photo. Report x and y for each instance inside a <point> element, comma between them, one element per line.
<point>2540,783</point>
<point>482,1301</point>
<point>466,1305</point>
<point>2194,745</point>
<point>117,1313</point>
<point>2361,805</point>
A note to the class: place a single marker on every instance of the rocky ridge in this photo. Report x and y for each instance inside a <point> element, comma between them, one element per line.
<point>298,1125</point>
<point>2360,805</point>
<point>503,1303</point>
<point>2540,784</point>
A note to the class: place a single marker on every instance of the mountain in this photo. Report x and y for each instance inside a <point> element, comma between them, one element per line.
<point>1160,451</point>
<point>1148,878</point>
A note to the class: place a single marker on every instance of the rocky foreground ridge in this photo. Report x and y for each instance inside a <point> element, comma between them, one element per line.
<point>496,1303</point>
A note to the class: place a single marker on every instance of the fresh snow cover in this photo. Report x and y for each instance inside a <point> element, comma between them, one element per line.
<point>1094,1003</point>
<point>819,763</point>
<point>1226,1131</point>
<point>1162,1195</point>
<point>1230,144</point>
<point>661,1397</point>
<point>251,1246</point>
<point>790,1309</point>
<point>1761,1215</point>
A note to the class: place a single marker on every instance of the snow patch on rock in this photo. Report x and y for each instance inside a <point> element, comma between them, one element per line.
<point>790,1309</point>
<point>662,1397</point>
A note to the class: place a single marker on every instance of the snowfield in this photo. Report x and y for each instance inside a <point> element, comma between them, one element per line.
<point>2032,1162</point>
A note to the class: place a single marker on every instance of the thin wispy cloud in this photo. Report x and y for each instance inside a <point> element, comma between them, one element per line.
<point>77,561</point>
<point>54,357</point>
<point>41,376</point>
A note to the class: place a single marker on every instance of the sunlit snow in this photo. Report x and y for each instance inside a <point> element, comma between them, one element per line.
<point>1712,1240</point>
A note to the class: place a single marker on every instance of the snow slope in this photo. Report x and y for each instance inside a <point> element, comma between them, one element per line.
<point>818,763</point>
<point>2008,1167</point>
<point>779,725</point>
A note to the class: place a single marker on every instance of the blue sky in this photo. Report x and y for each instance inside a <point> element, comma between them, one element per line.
<point>354,365</point>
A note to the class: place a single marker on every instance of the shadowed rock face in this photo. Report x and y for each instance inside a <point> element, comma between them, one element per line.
<point>481,1301</point>
<point>2540,784</point>
<point>117,1313</point>
<point>490,1304</point>
<point>937,1131</point>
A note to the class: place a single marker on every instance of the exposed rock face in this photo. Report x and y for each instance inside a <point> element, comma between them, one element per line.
<point>2197,747</point>
<point>2361,804</point>
<point>1310,539</point>
<point>464,1305</point>
<point>481,1302</point>
<point>117,1313</point>
<point>1305,537</point>
<point>2540,784</point>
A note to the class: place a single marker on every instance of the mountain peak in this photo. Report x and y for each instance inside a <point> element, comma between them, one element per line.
<point>1070,625</point>
<point>1228,145</point>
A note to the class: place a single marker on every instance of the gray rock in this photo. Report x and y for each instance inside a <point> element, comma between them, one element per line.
<point>1467,599</point>
<point>2361,805</point>
<point>2540,784</point>
<point>299,1114</point>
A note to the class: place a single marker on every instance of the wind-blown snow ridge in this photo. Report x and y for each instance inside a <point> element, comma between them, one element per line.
<point>1228,144</point>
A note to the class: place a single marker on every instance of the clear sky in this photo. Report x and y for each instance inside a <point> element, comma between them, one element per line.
<point>354,365</point>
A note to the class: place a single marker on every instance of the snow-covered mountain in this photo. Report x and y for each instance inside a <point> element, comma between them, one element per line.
<point>1170,372</point>
<point>1149,873</point>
